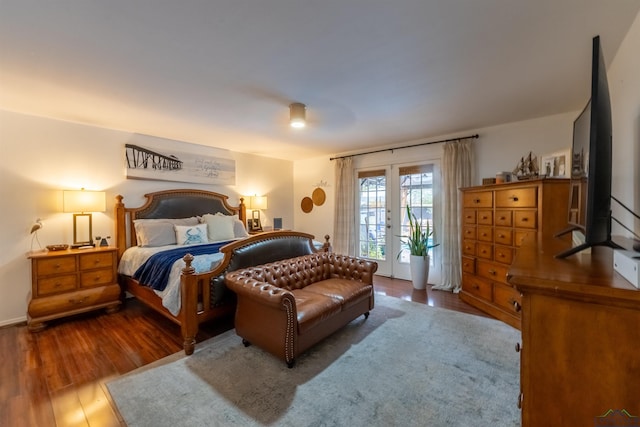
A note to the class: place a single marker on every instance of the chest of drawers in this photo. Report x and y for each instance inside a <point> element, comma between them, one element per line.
<point>495,220</point>
<point>69,282</point>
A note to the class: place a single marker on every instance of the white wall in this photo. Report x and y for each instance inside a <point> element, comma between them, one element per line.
<point>40,157</point>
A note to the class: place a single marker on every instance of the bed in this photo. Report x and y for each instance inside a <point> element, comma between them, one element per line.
<point>192,289</point>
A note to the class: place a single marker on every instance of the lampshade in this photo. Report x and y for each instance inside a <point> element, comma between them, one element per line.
<point>298,115</point>
<point>258,202</point>
<point>84,201</point>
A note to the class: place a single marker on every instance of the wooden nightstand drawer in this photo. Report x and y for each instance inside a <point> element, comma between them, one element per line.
<point>99,260</point>
<point>57,265</point>
<point>477,286</point>
<point>56,284</point>
<point>96,278</point>
<point>469,248</point>
<point>481,199</point>
<point>485,234</point>
<point>517,198</point>
<point>525,219</point>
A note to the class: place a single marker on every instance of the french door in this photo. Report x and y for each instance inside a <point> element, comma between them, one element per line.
<point>383,195</point>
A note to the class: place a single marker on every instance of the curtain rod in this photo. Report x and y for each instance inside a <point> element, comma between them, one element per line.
<point>407,146</point>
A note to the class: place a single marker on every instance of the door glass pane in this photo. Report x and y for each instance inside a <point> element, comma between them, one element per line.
<point>371,234</point>
<point>416,190</point>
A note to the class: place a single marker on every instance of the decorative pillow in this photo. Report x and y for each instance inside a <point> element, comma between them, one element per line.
<point>219,227</point>
<point>159,232</point>
<point>191,234</point>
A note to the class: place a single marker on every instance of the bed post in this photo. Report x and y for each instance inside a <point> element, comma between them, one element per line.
<point>121,229</point>
<point>189,305</point>
<point>242,212</point>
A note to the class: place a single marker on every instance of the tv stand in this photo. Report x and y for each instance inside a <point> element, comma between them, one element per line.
<point>583,246</point>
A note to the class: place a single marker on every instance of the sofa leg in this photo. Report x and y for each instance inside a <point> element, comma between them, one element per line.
<point>291,363</point>
<point>366,315</point>
<point>245,342</point>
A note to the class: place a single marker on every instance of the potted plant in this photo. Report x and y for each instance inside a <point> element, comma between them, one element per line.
<point>418,243</point>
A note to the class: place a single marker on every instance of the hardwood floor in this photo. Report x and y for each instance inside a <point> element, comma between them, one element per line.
<point>56,377</point>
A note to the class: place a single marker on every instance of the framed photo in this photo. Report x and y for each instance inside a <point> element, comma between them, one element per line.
<point>556,165</point>
<point>254,225</point>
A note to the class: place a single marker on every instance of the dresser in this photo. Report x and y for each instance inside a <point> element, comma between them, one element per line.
<point>495,220</point>
<point>69,282</point>
<point>580,349</point>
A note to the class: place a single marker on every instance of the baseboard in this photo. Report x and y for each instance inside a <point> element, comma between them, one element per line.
<point>13,322</point>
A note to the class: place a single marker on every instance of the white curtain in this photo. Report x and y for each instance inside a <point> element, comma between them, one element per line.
<point>343,239</point>
<point>457,172</point>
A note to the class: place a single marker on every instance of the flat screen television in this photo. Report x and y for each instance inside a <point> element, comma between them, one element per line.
<point>591,164</point>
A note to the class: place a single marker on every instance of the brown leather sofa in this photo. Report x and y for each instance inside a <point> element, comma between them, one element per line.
<point>287,306</point>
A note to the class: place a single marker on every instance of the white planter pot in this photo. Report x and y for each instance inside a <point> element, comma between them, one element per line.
<point>419,271</point>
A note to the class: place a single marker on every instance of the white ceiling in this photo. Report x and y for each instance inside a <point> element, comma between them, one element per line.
<point>371,72</point>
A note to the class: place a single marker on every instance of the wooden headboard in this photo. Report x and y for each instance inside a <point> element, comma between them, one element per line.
<point>170,204</point>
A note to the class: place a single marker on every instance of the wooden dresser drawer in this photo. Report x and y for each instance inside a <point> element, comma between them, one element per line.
<point>503,254</point>
<point>506,296</point>
<point>485,217</point>
<point>517,198</point>
<point>477,286</point>
<point>480,199</point>
<point>519,237</point>
<point>492,271</point>
<point>525,219</point>
<point>504,236</point>
<point>484,250</point>
<point>73,302</point>
<point>469,216</point>
<point>97,260</point>
<point>469,232</point>
<point>55,284</point>
<point>58,265</point>
<point>96,278</point>
<point>485,234</point>
<point>469,248</point>
<point>503,218</point>
<point>468,264</point>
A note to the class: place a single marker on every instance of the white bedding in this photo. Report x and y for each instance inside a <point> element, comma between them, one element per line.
<point>135,256</point>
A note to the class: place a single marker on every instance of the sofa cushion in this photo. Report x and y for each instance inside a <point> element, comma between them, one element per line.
<point>313,308</point>
<point>348,292</point>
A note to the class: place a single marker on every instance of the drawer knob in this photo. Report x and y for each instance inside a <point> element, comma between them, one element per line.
<point>525,219</point>
<point>518,347</point>
<point>476,200</point>
<point>492,272</point>
<point>77,301</point>
<point>520,397</point>
<point>513,198</point>
<point>476,287</point>
<point>516,306</point>
<point>502,218</point>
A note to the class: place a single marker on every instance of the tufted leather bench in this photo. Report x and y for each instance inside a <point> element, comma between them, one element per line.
<point>287,306</point>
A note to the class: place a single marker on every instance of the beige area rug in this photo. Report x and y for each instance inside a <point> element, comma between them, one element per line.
<point>407,365</point>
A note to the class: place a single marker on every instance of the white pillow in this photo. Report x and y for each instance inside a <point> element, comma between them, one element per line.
<point>191,234</point>
<point>219,227</point>
<point>239,230</point>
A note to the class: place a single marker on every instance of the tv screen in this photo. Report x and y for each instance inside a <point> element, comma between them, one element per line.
<point>591,169</point>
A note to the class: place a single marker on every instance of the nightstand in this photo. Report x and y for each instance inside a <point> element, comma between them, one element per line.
<point>73,281</point>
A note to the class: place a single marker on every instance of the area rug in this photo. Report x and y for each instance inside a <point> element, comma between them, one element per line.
<point>408,364</point>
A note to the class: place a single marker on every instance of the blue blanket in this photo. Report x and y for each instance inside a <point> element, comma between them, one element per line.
<point>156,270</point>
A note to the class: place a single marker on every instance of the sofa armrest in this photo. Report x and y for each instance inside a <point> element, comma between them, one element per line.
<point>351,268</point>
<point>243,285</point>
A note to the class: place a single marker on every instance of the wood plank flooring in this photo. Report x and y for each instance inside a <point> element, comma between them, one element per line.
<point>56,377</point>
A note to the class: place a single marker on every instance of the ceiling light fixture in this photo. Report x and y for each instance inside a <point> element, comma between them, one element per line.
<point>298,115</point>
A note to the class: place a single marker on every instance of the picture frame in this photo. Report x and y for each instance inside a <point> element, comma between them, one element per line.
<point>556,165</point>
<point>254,225</point>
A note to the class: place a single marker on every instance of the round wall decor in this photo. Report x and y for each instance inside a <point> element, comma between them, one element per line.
<point>318,196</point>
<point>306,204</point>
